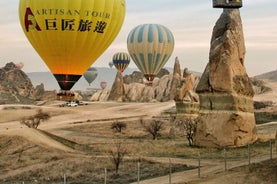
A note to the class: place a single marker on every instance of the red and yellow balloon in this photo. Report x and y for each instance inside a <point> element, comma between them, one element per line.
<point>70,35</point>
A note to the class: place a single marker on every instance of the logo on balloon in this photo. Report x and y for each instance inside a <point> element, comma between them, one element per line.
<point>66,24</point>
<point>30,21</point>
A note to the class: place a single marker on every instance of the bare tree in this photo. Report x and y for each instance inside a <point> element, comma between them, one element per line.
<point>118,126</point>
<point>117,154</point>
<point>34,121</point>
<point>188,125</point>
<point>153,127</point>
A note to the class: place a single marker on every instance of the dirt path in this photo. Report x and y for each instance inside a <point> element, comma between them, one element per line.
<point>209,168</point>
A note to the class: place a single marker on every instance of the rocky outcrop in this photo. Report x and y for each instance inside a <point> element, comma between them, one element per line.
<point>259,86</point>
<point>134,87</point>
<point>186,99</point>
<point>176,80</point>
<point>225,90</point>
<point>135,77</point>
<point>100,95</point>
<point>117,91</point>
<point>158,91</point>
<point>16,87</point>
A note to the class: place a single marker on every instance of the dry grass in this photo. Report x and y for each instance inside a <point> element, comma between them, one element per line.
<point>23,160</point>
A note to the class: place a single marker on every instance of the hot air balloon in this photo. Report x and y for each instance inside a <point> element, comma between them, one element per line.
<point>70,35</point>
<point>103,84</point>
<point>90,75</point>
<point>19,65</point>
<point>111,64</point>
<point>150,46</point>
<point>121,61</point>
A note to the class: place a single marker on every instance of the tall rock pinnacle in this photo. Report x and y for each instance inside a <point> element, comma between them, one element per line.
<point>225,90</point>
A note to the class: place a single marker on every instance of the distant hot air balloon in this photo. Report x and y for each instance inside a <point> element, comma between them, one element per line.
<point>103,84</point>
<point>90,75</point>
<point>111,64</point>
<point>121,61</point>
<point>150,46</point>
<point>70,35</point>
<point>19,65</point>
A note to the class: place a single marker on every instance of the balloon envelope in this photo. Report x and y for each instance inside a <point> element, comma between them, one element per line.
<point>111,64</point>
<point>90,75</point>
<point>150,46</point>
<point>121,61</point>
<point>70,35</point>
<point>103,84</point>
<point>19,65</point>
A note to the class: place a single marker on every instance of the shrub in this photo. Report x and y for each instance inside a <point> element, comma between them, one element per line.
<point>118,126</point>
<point>153,127</point>
<point>34,121</point>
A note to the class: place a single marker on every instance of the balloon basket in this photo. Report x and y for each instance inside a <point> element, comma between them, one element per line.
<point>65,96</point>
<point>149,83</point>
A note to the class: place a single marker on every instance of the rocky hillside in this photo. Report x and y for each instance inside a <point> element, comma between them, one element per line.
<point>16,87</point>
<point>259,84</point>
<point>271,76</point>
<point>166,86</point>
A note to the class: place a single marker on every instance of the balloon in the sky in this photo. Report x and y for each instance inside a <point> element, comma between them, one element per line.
<point>90,75</point>
<point>19,65</point>
<point>121,61</point>
<point>70,35</point>
<point>150,46</point>
<point>111,64</point>
<point>103,84</point>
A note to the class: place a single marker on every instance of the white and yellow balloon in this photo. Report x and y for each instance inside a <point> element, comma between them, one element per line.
<point>150,46</point>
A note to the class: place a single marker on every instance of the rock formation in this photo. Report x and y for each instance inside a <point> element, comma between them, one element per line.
<point>16,87</point>
<point>176,80</point>
<point>117,91</point>
<point>133,87</point>
<point>100,95</point>
<point>186,100</point>
<point>140,92</point>
<point>225,91</point>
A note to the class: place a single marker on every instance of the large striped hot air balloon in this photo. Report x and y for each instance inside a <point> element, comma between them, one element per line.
<point>70,35</point>
<point>150,46</point>
<point>121,61</point>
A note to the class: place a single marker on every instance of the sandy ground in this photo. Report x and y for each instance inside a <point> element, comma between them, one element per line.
<point>70,116</point>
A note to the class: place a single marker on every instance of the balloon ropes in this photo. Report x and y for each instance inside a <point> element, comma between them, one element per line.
<point>150,46</point>
<point>70,35</point>
<point>121,61</point>
<point>90,75</point>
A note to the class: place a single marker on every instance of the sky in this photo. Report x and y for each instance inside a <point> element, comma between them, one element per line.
<point>191,23</point>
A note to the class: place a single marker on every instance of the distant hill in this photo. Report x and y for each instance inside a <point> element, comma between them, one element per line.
<point>272,76</point>
<point>104,74</point>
